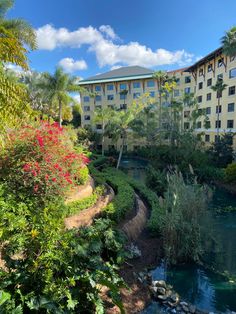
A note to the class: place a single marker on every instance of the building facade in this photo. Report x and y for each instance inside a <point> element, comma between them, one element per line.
<point>105,90</point>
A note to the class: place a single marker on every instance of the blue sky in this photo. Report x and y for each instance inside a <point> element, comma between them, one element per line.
<point>87,37</point>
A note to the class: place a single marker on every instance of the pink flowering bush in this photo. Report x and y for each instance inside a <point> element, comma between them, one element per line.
<point>41,161</point>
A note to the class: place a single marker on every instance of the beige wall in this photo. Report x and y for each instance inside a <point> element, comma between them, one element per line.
<point>195,77</point>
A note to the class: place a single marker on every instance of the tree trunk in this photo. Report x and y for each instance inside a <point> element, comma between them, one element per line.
<point>121,152</point>
<point>218,118</point>
<point>103,140</point>
<point>60,113</point>
<point>160,113</point>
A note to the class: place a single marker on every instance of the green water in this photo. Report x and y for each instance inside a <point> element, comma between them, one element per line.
<point>201,286</point>
<point>134,167</point>
<point>207,289</point>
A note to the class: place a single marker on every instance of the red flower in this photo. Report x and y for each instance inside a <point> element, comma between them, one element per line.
<point>36,187</point>
<point>26,167</point>
<point>54,179</point>
<point>34,173</point>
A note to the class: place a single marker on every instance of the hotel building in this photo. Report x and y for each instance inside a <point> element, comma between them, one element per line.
<point>107,92</point>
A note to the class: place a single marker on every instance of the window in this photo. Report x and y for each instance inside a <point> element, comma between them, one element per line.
<point>86,99</point>
<point>220,62</point>
<point>110,97</point>
<point>209,82</point>
<point>152,94</point>
<point>217,137</point>
<point>231,90</point>
<point>86,108</point>
<point>208,110</point>
<point>232,73</point>
<point>123,86</point>
<point>176,93</point>
<point>150,83</point>
<point>207,124</point>
<point>219,109</point>
<point>218,124</point>
<point>207,138</point>
<point>200,85</point>
<point>98,97</point>
<point>231,107</point>
<point>186,125</point>
<point>199,99</point>
<point>186,114</point>
<point>98,107</point>
<point>209,67</point>
<point>86,118</point>
<point>177,81</point>
<point>97,88</point>
<point>220,77</point>
<point>201,72</point>
<point>111,148</point>
<point>199,125</point>
<point>188,79</point>
<point>136,147</point>
<point>187,90</point>
<point>136,85</point>
<point>136,95</point>
<point>199,111</point>
<point>123,106</point>
<point>110,87</point>
<point>98,126</point>
<point>123,96</point>
<point>208,96</point>
<point>111,106</point>
<point>230,124</point>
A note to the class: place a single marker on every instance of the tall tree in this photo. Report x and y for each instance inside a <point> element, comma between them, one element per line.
<point>228,42</point>
<point>122,120</point>
<point>160,77</point>
<point>219,87</point>
<point>20,29</point>
<point>58,88</point>
<point>102,115</point>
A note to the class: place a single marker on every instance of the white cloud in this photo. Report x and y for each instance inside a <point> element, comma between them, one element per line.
<point>77,97</point>
<point>108,30</point>
<point>115,67</point>
<point>101,42</point>
<point>70,65</point>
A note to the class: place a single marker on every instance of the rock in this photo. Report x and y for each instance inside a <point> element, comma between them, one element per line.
<point>183,303</point>
<point>160,283</point>
<point>174,297</point>
<point>149,278</point>
<point>172,304</point>
<point>162,297</point>
<point>178,308</point>
<point>153,290</point>
<point>185,308</point>
<point>192,309</point>
<point>161,290</point>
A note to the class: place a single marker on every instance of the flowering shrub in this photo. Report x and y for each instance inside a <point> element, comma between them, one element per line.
<point>41,161</point>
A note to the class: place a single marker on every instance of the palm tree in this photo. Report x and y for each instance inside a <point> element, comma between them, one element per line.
<point>160,77</point>
<point>102,115</point>
<point>58,88</point>
<point>19,28</point>
<point>228,42</point>
<point>219,87</point>
<point>124,92</point>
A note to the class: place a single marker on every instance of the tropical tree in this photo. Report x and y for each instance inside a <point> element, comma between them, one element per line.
<point>228,42</point>
<point>219,87</point>
<point>19,28</point>
<point>160,77</point>
<point>58,88</point>
<point>103,116</point>
<point>122,120</point>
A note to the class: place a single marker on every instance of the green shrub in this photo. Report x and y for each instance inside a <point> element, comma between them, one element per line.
<point>77,206</point>
<point>83,175</point>
<point>156,180</point>
<point>179,223</point>
<point>50,270</point>
<point>40,162</point>
<point>124,198</point>
<point>230,173</point>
